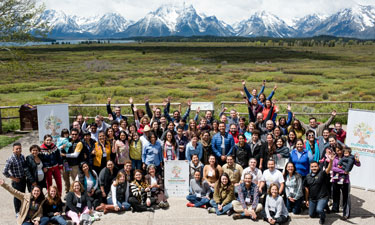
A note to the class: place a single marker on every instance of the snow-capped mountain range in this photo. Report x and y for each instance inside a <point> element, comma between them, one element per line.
<point>167,20</point>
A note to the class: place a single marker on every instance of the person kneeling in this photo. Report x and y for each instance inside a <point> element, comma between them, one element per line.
<point>275,210</point>
<point>199,192</point>
<point>247,203</point>
<point>223,196</point>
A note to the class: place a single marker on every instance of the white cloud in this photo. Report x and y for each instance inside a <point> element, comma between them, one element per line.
<point>228,10</point>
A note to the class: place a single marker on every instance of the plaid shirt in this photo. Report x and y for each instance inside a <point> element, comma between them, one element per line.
<point>14,167</point>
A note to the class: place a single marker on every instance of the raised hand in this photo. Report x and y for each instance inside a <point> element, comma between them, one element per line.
<point>243,94</point>
<point>243,83</point>
<point>275,87</point>
<point>356,156</point>
<point>86,118</point>
<point>334,113</point>
<point>198,110</point>
<point>147,99</point>
<point>109,100</point>
<point>131,100</point>
<point>110,117</point>
<point>169,98</point>
<point>289,107</point>
<point>154,107</point>
<point>189,102</point>
<point>264,83</point>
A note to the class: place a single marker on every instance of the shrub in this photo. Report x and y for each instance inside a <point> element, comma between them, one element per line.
<point>314,92</point>
<point>59,93</point>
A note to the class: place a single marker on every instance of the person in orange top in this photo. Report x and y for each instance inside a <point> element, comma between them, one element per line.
<point>101,153</point>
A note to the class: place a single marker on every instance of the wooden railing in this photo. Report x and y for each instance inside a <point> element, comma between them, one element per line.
<point>223,104</point>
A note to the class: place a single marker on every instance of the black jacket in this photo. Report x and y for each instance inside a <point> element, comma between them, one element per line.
<point>50,210</point>
<point>31,170</point>
<point>72,200</point>
<point>257,151</point>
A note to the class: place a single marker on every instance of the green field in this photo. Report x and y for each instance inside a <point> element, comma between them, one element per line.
<point>199,71</point>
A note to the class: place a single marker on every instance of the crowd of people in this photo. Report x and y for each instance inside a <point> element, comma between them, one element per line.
<point>258,167</point>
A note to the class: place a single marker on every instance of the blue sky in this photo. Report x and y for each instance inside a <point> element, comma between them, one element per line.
<point>230,11</point>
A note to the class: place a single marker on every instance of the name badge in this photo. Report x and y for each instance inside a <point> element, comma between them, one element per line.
<point>247,200</point>
<point>198,195</point>
<point>156,151</point>
<point>40,172</point>
<point>79,205</point>
<point>104,154</point>
<point>210,173</point>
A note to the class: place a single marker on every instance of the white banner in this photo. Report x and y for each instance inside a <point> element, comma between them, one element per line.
<point>204,106</point>
<point>52,119</point>
<point>360,137</point>
<point>176,178</point>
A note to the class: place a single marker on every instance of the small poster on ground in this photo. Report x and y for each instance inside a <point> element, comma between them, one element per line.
<point>176,178</point>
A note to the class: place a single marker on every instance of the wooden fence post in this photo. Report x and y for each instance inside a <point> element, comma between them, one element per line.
<point>1,124</point>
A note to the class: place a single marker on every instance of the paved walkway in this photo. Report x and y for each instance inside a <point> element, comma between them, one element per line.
<point>363,210</point>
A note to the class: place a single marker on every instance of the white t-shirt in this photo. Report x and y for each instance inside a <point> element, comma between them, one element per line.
<point>153,180</point>
<point>273,177</point>
<point>257,174</point>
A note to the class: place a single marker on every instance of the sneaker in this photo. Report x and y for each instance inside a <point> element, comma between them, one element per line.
<point>189,204</point>
<point>150,209</point>
<point>230,212</point>
<point>203,206</point>
<point>321,221</point>
<point>211,210</point>
<point>237,216</point>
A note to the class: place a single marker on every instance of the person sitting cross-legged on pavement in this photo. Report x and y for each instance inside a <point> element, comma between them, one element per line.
<point>199,192</point>
<point>247,203</point>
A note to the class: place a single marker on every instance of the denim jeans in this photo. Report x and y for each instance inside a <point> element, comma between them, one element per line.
<point>43,221</point>
<point>55,219</point>
<point>122,205</point>
<point>226,208</point>
<point>137,164</point>
<point>198,202</point>
<point>317,207</point>
<point>295,206</point>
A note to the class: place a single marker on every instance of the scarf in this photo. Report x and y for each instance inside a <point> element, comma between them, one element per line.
<point>316,147</point>
<point>173,151</point>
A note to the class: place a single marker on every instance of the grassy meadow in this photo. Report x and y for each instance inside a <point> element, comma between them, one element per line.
<point>198,71</point>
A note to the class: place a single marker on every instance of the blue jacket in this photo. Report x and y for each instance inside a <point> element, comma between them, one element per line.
<point>216,144</point>
<point>190,150</point>
<point>303,163</point>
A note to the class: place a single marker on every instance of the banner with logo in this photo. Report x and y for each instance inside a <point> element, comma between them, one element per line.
<point>52,119</point>
<point>360,137</point>
<point>176,178</point>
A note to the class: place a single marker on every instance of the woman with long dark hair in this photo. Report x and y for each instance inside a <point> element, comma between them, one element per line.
<point>212,171</point>
<point>31,210</point>
<point>121,149</point>
<point>170,151</point>
<point>52,161</point>
<point>223,196</point>
<point>291,140</point>
<point>206,146</point>
<point>90,181</point>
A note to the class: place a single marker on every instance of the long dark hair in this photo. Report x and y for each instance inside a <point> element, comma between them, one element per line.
<point>295,173</point>
<point>126,136</point>
<point>173,139</point>
<point>81,174</point>
<point>217,174</point>
<point>271,151</point>
<point>41,195</point>
<point>219,185</point>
